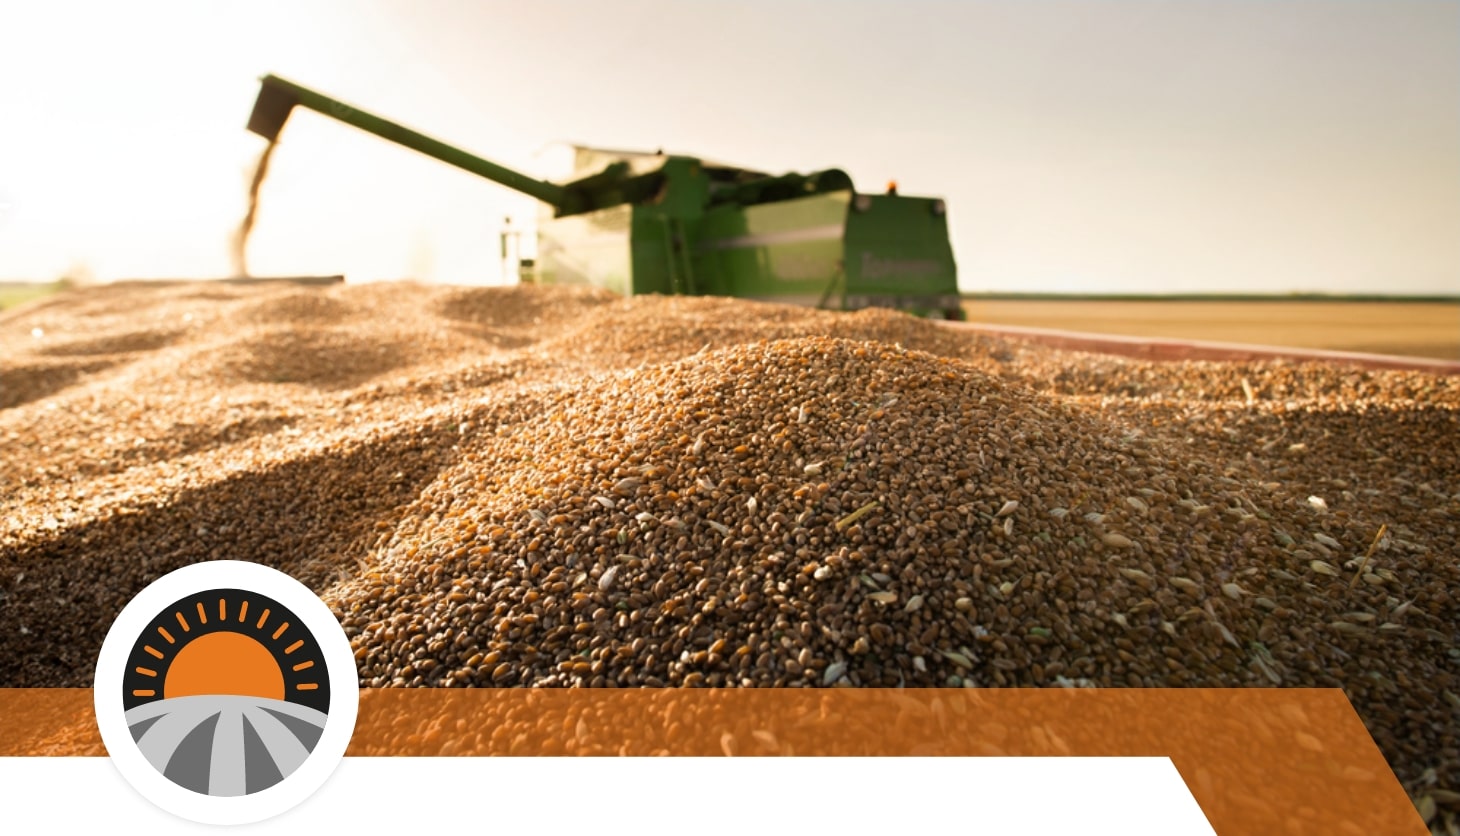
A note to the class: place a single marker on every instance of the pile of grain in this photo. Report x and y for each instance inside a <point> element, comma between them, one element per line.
<point>546,487</point>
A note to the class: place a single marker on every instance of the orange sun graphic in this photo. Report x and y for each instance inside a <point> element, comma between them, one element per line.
<point>225,643</point>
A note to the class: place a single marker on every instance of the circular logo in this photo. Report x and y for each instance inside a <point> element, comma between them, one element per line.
<point>226,692</point>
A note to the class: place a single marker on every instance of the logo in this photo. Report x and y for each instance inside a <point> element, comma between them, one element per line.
<point>226,692</point>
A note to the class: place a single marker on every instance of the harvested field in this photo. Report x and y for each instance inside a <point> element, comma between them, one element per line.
<point>1416,329</point>
<point>556,487</point>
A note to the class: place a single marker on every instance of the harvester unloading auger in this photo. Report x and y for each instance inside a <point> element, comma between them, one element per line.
<point>655,223</point>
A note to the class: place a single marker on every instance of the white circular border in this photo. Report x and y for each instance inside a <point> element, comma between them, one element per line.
<point>111,665</point>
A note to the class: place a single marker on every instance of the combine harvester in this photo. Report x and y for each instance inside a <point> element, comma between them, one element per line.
<point>653,223</point>
<point>656,223</point>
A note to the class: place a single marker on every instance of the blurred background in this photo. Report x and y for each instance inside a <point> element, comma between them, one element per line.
<point>1127,146</point>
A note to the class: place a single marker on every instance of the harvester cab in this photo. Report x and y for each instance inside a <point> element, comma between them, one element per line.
<point>664,223</point>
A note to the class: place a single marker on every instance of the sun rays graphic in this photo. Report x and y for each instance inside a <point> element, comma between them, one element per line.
<point>226,692</point>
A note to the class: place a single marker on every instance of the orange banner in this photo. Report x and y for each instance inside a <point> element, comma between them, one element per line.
<point>1295,761</point>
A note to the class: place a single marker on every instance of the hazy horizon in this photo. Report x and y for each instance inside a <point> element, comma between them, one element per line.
<point>1119,147</point>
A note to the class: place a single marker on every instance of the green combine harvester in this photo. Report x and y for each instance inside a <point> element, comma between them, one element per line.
<point>656,223</point>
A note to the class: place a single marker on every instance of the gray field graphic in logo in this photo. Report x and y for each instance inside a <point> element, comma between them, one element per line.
<point>225,745</point>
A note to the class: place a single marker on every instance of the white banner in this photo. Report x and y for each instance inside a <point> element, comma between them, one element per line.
<point>741,796</point>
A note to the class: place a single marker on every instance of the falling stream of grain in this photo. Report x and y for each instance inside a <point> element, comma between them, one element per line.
<point>245,229</point>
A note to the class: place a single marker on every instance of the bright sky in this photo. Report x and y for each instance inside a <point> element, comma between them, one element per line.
<point>1115,146</point>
